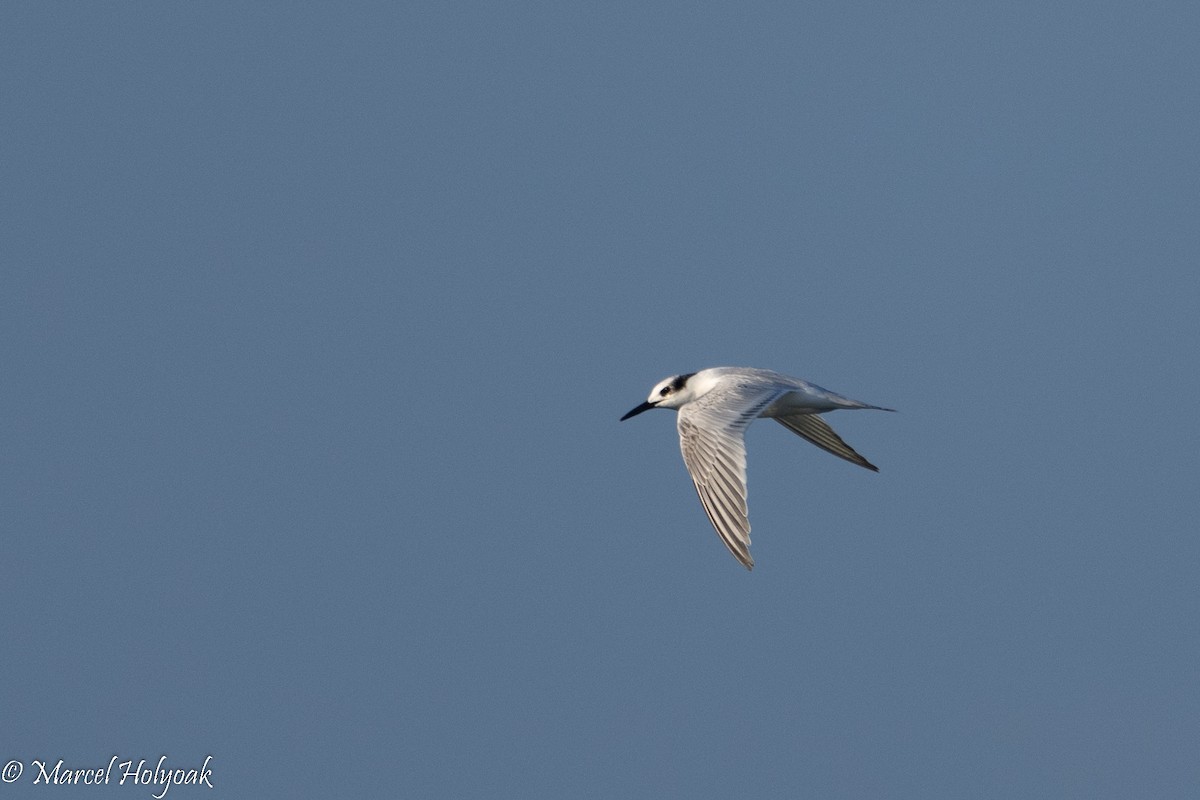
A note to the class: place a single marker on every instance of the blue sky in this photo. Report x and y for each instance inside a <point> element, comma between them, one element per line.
<point>318,321</point>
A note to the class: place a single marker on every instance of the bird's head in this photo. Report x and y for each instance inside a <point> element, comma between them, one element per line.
<point>670,392</point>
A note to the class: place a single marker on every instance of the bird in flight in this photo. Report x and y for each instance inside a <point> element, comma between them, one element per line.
<point>715,407</point>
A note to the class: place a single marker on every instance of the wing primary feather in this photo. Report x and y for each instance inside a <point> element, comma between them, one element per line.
<point>728,531</point>
<point>817,431</point>
<point>711,436</point>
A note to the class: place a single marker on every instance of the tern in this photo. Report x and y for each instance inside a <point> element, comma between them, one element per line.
<point>715,406</point>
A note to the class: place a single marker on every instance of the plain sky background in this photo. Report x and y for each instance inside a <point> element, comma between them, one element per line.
<point>317,321</point>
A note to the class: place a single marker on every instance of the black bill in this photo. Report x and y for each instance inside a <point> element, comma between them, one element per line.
<point>635,411</point>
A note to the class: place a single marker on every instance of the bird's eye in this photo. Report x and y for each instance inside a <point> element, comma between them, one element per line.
<point>663,392</point>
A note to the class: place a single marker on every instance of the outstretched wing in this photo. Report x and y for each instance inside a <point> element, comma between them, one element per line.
<point>817,431</point>
<point>712,437</point>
